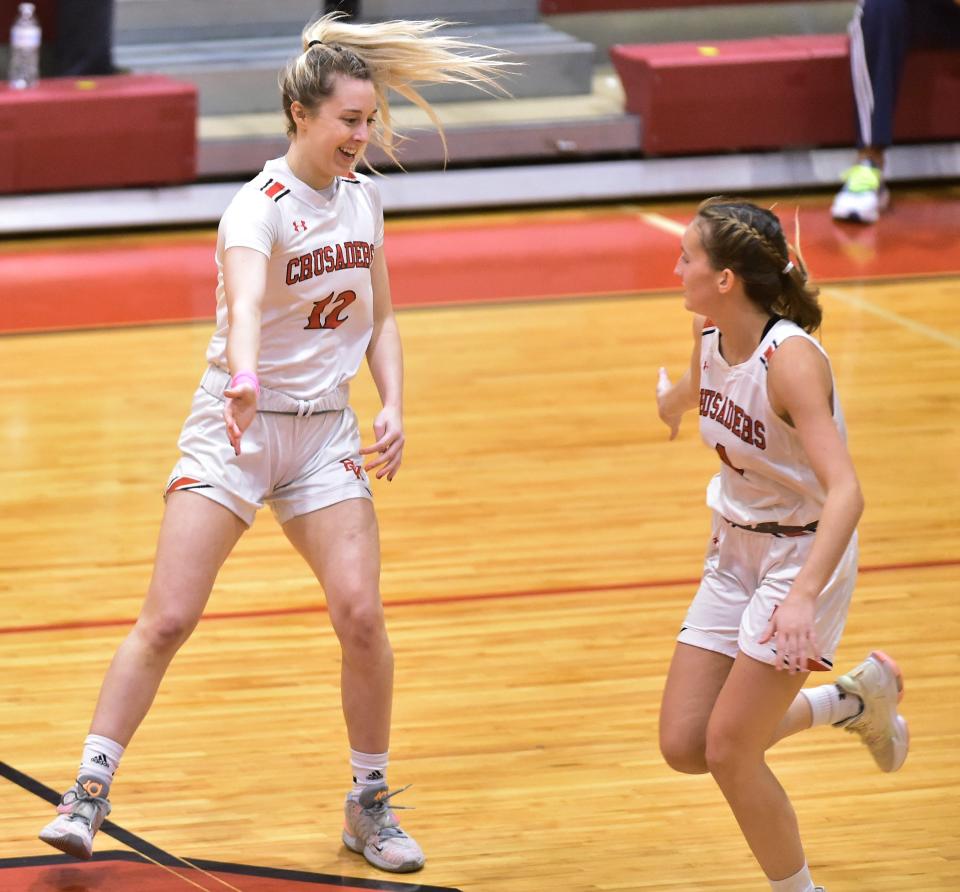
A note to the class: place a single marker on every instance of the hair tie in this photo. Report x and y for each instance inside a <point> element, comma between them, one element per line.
<point>788,267</point>
<point>314,43</point>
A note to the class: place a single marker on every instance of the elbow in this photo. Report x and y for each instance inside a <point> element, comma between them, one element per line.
<point>846,496</point>
<point>860,503</point>
<point>855,499</point>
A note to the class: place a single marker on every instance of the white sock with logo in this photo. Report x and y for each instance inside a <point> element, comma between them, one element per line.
<point>99,763</point>
<point>368,769</point>
<point>829,704</point>
<point>801,881</point>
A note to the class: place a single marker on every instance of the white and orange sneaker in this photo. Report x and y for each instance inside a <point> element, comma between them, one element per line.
<point>878,682</point>
<point>80,813</point>
<point>373,830</point>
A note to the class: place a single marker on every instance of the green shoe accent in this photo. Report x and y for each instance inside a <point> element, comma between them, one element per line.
<point>862,178</point>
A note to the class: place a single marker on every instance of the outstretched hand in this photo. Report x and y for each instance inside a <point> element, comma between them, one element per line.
<point>388,428</point>
<point>239,410</point>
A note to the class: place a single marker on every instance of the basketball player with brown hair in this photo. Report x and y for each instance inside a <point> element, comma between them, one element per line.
<point>782,560</point>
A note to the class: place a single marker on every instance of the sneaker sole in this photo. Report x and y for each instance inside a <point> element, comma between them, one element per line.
<point>69,845</point>
<point>901,723</point>
<point>883,202</point>
<point>905,731</point>
<point>352,843</point>
<point>853,217</point>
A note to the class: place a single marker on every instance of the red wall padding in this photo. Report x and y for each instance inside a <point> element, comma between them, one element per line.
<point>772,93</point>
<point>126,130</point>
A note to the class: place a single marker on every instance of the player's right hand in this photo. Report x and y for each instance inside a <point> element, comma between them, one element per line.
<point>670,418</point>
<point>239,410</point>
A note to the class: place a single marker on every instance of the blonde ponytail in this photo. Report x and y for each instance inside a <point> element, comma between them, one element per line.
<point>393,55</point>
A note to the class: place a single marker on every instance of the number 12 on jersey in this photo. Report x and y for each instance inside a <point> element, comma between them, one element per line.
<point>320,318</point>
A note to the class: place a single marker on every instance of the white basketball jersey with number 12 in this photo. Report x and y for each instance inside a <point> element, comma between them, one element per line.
<point>317,313</point>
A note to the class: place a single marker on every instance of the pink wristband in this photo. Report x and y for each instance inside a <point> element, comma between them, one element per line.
<point>248,377</point>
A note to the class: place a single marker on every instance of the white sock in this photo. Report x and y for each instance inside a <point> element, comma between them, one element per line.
<point>829,704</point>
<point>368,769</point>
<point>801,881</point>
<point>100,760</point>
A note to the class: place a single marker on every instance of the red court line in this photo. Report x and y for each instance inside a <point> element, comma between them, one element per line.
<point>452,599</point>
<point>94,283</point>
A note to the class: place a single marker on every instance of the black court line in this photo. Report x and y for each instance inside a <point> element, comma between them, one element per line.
<point>140,846</point>
<point>48,794</point>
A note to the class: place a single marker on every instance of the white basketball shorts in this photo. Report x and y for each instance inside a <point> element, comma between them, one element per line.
<point>295,464</point>
<point>745,576</point>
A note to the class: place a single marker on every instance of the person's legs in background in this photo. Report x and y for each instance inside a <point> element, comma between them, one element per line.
<point>84,44</point>
<point>881,33</point>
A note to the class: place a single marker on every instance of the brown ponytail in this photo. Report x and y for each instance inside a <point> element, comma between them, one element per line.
<point>749,240</point>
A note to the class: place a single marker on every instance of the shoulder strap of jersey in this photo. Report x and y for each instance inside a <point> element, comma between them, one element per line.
<point>273,188</point>
<point>777,332</point>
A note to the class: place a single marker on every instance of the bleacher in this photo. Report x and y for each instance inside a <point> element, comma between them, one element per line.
<point>619,99</point>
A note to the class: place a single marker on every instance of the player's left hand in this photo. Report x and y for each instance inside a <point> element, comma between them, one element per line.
<point>792,630</point>
<point>388,428</point>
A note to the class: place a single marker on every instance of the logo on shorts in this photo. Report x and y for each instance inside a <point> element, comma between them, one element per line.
<point>349,465</point>
<point>185,483</point>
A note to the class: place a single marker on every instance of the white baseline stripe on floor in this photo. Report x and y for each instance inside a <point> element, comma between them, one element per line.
<point>663,223</point>
<point>866,306</point>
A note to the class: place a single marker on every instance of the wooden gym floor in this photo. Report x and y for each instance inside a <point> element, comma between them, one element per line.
<point>540,544</point>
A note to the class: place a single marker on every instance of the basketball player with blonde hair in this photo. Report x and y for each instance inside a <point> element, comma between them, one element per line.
<point>303,296</point>
<point>782,560</point>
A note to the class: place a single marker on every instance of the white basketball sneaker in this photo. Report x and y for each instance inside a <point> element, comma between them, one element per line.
<point>878,682</point>
<point>863,196</point>
<point>80,813</point>
<point>372,830</point>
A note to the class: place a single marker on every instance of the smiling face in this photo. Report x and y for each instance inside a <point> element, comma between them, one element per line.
<point>701,282</point>
<point>331,137</point>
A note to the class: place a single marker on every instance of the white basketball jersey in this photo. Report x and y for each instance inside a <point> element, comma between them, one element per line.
<point>765,475</point>
<point>317,312</point>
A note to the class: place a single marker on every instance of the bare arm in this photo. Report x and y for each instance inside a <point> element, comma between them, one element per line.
<point>801,391</point>
<point>244,284</point>
<point>385,359</point>
<point>675,399</point>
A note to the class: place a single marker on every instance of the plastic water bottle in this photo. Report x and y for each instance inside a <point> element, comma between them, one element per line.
<point>25,48</point>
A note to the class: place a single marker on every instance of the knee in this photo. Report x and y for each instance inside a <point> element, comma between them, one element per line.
<point>683,754</point>
<point>362,630</point>
<point>163,633</point>
<point>725,756</point>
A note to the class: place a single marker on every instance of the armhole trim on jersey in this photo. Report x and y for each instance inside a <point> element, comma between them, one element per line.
<point>709,327</point>
<point>768,353</point>
<point>805,335</point>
